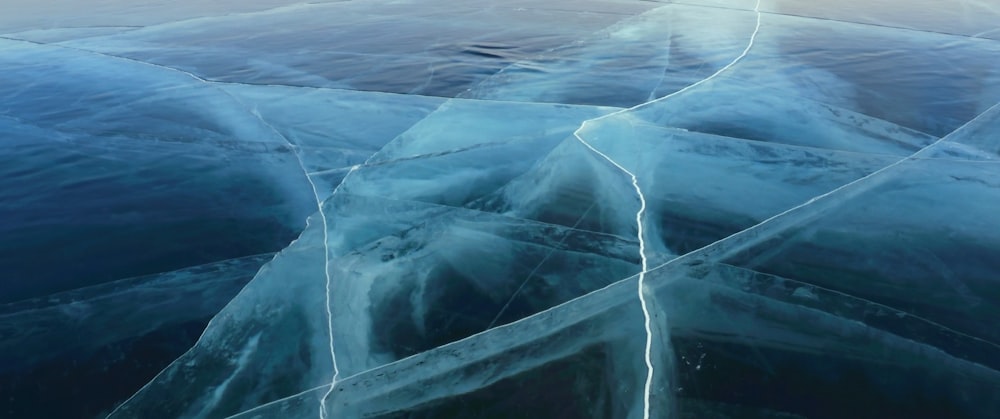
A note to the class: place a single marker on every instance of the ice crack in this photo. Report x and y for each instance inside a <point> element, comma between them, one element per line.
<point>647,318</point>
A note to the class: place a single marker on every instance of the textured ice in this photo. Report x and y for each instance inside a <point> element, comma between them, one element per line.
<point>606,208</point>
<point>662,50</point>
<point>35,330</point>
<point>149,153</point>
<point>435,48</point>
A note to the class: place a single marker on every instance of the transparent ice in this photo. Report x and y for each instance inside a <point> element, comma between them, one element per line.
<point>656,209</point>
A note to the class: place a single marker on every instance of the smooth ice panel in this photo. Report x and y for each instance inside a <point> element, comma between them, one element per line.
<point>333,129</point>
<point>973,18</point>
<point>720,332</point>
<point>411,262</point>
<point>414,276</point>
<point>26,14</point>
<point>119,333</point>
<point>439,159</point>
<point>141,101</point>
<point>460,124</point>
<point>933,260</point>
<point>928,82</point>
<point>637,59</point>
<point>36,330</point>
<point>941,250</point>
<point>700,188</point>
<point>597,330</point>
<point>817,352</point>
<point>151,159</point>
<point>811,244</point>
<point>258,348</point>
<point>432,50</point>
<point>977,140</point>
<point>571,187</point>
<point>731,107</point>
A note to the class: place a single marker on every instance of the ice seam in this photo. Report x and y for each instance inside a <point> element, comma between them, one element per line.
<point>326,272</point>
<point>647,389</point>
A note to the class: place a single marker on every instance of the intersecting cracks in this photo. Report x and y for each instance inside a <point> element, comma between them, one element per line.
<point>647,389</point>
<point>305,172</point>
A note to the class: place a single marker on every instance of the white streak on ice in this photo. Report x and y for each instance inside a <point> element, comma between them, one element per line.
<point>787,219</point>
<point>642,273</point>
<point>326,272</point>
<point>647,389</point>
<point>241,363</point>
<point>305,172</point>
<point>537,267</point>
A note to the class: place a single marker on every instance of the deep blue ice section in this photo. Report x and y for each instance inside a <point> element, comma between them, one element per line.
<point>143,172</point>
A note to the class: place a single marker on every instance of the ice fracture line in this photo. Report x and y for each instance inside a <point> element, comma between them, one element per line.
<point>647,389</point>
<point>305,172</point>
<point>329,311</point>
<point>537,267</point>
<point>297,151</point>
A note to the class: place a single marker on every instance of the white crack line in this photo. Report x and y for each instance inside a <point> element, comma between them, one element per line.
<point>647,389</point>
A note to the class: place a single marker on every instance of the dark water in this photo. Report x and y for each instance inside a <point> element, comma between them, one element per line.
<point>78,209</point>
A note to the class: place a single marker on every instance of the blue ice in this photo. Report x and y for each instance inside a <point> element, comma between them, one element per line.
<point>605,208</point>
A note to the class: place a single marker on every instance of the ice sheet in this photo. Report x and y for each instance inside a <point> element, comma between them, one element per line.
<point>662,210</point>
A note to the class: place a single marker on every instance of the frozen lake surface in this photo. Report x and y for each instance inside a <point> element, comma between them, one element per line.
<point>493,209</point>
